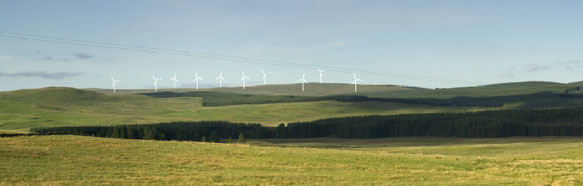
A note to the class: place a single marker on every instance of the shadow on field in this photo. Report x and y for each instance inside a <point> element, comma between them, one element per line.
<point>401,141</point>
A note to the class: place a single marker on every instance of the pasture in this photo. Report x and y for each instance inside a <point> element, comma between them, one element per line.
<point>77,160</point>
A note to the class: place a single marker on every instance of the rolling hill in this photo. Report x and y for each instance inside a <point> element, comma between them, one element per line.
<point>383,91</point>
<point>60,106</point>
<point>311,89</point>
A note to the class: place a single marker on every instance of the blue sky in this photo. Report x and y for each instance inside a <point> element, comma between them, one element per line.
<point>479,41</point>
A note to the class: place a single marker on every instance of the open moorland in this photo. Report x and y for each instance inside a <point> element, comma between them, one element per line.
<point>328,160</point>
<point>66,160</point>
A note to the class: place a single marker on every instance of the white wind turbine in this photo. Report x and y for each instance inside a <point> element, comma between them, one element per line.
<point>264,77</point>
<point>303,80</point>
<point>196,78</point>
<point>221,79</point>
<point>156,83</point>
<point>114,84</point>
<point>355,82</point>
<point>174,79</point>
<point>319,70</point>
<point>243,79</point>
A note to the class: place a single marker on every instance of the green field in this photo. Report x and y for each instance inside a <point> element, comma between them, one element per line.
<point>78,160</point>
<point>65,160</point>
<point>24,109</point>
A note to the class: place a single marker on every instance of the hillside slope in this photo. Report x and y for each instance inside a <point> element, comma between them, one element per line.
<point>503,89</point>
<point>311,89</point>
<point>48,107</point>
<point>384,91</point>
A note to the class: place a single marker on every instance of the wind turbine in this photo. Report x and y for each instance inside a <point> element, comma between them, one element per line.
<point>196,78</point>
<point>174,79</point>
<point>355,82</point>
<point>156,83</point>
<point>114,84</point>
<point>319,70</point>
<point>264,77</point>
<point>243,79</point>
<point>221,79</point>
<point>303,80</point>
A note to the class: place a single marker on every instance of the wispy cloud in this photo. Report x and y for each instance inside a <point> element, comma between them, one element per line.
<point>536,68</point>
<point>51,58</point>
<point>42,74</point>
<point>510,73</point>
<point>574,66</point>
<point>82,55</point>
<point>334,44</point>
<point>8,58</point>
<point>290,50</point>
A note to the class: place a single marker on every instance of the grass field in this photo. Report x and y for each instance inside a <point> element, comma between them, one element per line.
<point>78,160</point>
<point>24,109</point>
<point>65,160</point>
<point>47,107</point>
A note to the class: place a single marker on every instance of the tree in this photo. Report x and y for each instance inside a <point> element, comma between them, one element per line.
<point>116,133</point>
<point>242,138</point>
<point>230,140</point>
<point>203,139</point>
<point>150,133</point>
<point>215,137</point>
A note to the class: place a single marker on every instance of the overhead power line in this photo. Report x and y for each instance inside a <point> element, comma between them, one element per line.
<point>220,57</point>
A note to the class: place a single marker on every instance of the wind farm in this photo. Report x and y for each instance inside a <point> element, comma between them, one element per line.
<point>291,93</point>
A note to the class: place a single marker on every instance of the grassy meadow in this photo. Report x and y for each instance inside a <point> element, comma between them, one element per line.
<point>81,160</point>
<point>77,160</point>
<point>47,107</point>
<point>59,106</point>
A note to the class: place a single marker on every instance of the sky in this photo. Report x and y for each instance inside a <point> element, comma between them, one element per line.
<point>433,44</point>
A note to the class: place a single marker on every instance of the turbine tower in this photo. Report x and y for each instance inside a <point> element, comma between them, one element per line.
<point>355,82</point>
<point>114,84</point>
<point>196,78</point>
<point>264,77</point>
<point>221,79</point>
<point>174,79</point>
<point>303,80</point>
<point>243,79</point>
<point>319,70</point>
<point>156,83</point>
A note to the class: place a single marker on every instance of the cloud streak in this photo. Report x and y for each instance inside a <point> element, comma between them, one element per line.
<point>536,68</point>
<point>42,74</point>
<point>82,55</point>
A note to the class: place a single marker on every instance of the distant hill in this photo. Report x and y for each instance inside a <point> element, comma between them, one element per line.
<point>311,89</point>
<point>384,91</point>
<point>61,106</point>
<point>503,89</point>
<point>269,105</point>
